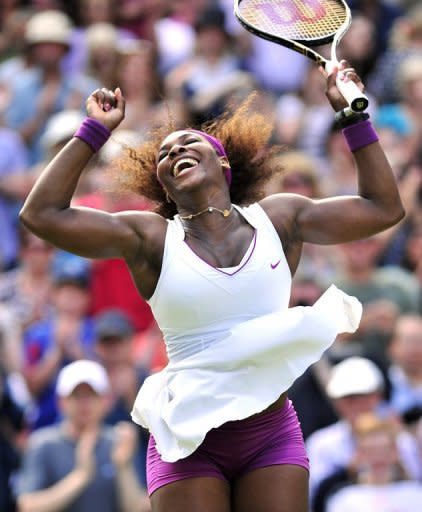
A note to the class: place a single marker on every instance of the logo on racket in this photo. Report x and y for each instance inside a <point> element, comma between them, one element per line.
<point>287,13</point>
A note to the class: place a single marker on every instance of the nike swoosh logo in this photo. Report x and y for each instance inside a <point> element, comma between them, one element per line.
<point>275,265</point>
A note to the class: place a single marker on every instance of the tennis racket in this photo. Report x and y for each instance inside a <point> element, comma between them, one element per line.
<point>299,25</point>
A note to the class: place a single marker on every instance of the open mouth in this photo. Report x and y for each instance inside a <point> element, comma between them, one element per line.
<point>183,165</point>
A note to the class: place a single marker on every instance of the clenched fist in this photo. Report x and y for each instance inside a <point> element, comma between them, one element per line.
<point>107,107</point>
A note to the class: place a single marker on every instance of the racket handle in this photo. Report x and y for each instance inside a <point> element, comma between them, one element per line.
<point>353,95</point>
<point>349,90</point>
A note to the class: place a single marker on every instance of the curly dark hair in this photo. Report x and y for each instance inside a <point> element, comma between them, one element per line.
<point>245,134</point>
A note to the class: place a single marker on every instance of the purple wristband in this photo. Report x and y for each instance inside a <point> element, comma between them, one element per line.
<point>360,135</point>
<point>93,133</point>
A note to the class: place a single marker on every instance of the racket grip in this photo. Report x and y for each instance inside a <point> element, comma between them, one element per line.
<point>353,95</point>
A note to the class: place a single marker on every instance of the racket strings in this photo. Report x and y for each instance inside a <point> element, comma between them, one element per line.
<point>296,20</point>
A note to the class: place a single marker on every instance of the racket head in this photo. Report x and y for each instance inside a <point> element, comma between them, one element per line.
<point>307,22</point>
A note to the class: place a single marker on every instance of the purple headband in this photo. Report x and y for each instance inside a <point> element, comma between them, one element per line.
<point>218,146</point>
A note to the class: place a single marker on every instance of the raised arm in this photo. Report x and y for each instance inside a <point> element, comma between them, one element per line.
<point>341,219</point>
<point>48,212</point>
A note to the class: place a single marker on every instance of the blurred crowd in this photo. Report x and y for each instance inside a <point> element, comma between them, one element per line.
<point>76,340</point>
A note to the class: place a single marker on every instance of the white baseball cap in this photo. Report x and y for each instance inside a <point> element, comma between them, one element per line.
<point>354,376</point>
<point>82,372</point>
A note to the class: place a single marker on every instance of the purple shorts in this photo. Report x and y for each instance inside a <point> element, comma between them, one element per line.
<point>235,448</point>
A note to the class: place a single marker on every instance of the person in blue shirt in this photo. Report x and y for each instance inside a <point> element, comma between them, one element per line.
<point>43,89</point>
<point>66,335</point>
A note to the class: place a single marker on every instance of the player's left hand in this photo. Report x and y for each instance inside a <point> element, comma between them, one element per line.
<point>346,73</point>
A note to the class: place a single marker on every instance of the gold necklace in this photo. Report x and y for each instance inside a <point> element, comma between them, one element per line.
<point>210,209</point>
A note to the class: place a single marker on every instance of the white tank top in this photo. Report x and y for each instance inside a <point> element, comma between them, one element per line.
<point>196,304</point>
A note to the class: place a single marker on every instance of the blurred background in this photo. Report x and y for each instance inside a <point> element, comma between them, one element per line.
<point>361,406</point>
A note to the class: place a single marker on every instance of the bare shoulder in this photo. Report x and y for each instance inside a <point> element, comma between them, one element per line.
<point>148,228</point>
<point>144,259</point>
<point>143,222</point>
<point>283,210</point>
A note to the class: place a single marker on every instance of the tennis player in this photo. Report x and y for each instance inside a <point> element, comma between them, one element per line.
<point>215,263</point>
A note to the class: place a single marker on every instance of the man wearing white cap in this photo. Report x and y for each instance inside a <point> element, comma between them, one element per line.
<point>355,387</point>
<point>80,465</point>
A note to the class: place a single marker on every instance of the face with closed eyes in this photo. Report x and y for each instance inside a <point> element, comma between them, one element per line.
<point>186,161</point>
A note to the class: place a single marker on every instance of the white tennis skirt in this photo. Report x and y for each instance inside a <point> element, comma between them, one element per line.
<point>240,375</point>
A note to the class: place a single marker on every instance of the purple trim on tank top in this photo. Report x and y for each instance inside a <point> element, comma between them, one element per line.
<point>221,270</point>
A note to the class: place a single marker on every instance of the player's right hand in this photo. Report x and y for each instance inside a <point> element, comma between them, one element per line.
<point>347,74</point>
<point>107,107</point>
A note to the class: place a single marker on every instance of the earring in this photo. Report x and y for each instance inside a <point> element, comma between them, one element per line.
<point>168,197</point>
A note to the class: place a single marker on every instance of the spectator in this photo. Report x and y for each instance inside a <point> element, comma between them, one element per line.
<point>25,285</point>
<point>383,294</point>
<point>404,250</point>
<point>10,341</point>
<point>299,176</point>
<point>310,388</point>
<point>356,387</point>
<point>139,18</point>
<point>410,95</point>
<point>26,290</point>
<point>11,428</point>
<point>102,40</point>
<point>43,89</point>
<point>382,14</point>
<point>13,163</point>
<point>403,118</point>
<point>412,421</point>
<point>359,273</point>
<point>114,333</point>
<point>405,372</point>
<point>399,136</point>
<point>64,336</point>
<point>138,77</point>
<point>304,119</point>
<point>14,55</point>
<point>413,245</point>
<point>80,465</point>
<point>405,41</point>
<point>88,13</point>
<point>206,82</point>
<point>175,34</point>
<point>380,481</point>
<point>358,45</point>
